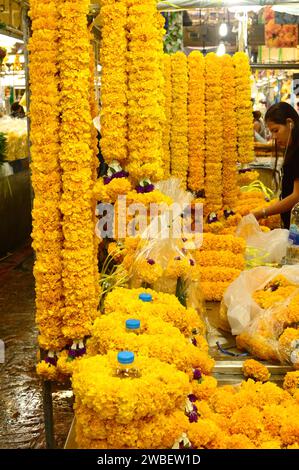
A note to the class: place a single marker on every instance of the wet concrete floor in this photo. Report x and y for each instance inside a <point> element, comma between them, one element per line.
<point>21,398</point>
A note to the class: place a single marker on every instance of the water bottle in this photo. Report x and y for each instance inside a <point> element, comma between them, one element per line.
<point>133,326</point>
<point>292,256</point>
<point>125,365</point>
<point>145,297</point>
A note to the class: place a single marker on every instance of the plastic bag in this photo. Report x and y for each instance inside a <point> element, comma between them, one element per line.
<point>270,246</point>
<point>274,335</point>
<point>241,307</point>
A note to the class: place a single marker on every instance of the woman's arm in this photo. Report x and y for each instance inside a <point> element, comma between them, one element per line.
<point>282,206</point>
<point>257,126</point>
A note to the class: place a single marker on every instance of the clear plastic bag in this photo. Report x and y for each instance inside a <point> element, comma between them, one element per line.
<point>274,335</point>
<point>238,300</point>
<point>269,246</point>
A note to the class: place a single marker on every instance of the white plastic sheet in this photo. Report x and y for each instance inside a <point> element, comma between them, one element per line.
<point>271,246</point>
<point>241,308</point>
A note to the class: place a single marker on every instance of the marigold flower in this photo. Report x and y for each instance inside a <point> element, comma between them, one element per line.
<point>255,370</point>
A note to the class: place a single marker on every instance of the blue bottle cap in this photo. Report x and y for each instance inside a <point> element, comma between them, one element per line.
<point>125,357</point>
<point>145,297</point>
<point>132,324</point>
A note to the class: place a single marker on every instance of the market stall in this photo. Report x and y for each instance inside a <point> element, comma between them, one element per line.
<point>129,258</point>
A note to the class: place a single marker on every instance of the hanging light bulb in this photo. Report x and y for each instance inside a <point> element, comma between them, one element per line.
<point>223,30</point>
<point>221,49</point>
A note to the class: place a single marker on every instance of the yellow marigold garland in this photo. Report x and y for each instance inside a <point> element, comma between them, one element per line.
<point>46,177</point>
<point>196,120</point>
<point>76,158</point>
<point>94,110</point>
<point>255,370</point>
<point>243,108</point>
<point>291,382</point>
<point>165,306</point>
<point>179,119</point>
<point>247,177</point>
<point>252,415</point>
<point>214,133</point>
<point>159,389</point>
<point>159,432</point>
<point>165,343</point>
<point>229,155</point>
<point>167,109</point>
<point>223,242</point>
<point>223,258</point>
<point>113,17</point>
<point>145,91</point>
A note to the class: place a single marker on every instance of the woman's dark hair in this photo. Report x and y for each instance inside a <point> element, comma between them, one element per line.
<point>279,113</point>
<point>257,115</point>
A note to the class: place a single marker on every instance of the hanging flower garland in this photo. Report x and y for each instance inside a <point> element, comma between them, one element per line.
<point>167,109</point>
<point>244,108</point>
<point>145,93</point>
<point>179,119</point>
<point>114,81</point>
<point>229,154</point>
<point>94,110</point>
<point>76,158</point>
<point>214,133</point>
<point>196,120</point>
<point>46,177</point>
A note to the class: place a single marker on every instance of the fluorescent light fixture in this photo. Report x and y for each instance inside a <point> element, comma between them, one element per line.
<point>221,49</point>
<point>8,42</point>
<point>223,30</point>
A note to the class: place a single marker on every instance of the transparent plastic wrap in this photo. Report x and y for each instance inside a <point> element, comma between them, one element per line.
<point>274,334</point>
<point>172,188</point>
<point>268,247</point>
<point>238,299</point>
<point>162,260</point>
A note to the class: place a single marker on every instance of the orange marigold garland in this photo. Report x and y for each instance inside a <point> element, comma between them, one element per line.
<point>244,108</point>
<point>214,134</point>
<point>179,122</point>
<point>229,155</point>
<point>113,16</point>
<point>46,177</point>
<point>94,110</point>
<point>196,120</point>
<point>145,93</point>
<point>167,109</point>
<point>76,159</point>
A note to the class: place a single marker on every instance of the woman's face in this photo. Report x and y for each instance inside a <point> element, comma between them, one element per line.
<point>280,132</point>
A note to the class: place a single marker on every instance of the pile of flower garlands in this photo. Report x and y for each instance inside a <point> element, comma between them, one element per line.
<point>274,334</point>
<point>247,176</point>
<point>219,260</point>
<point>165,306</point>
<point>155,338</point>
<point>143,412</point>
<point>252,415</point>
<point>128,413</point>
<point>255,199</point>
<point>150,410</point>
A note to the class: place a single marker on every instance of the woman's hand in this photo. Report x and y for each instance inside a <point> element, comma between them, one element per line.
<point>260,214</point>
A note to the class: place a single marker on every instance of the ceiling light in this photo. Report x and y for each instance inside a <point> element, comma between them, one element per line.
<point>221,49</point>
<point>223,30</point>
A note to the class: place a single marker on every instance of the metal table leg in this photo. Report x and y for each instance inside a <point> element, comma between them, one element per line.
<point>48,414</point>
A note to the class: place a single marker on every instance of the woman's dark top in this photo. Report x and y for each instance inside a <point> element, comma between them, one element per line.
<point>290,172</point>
